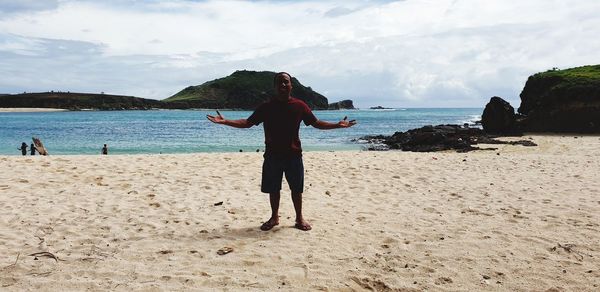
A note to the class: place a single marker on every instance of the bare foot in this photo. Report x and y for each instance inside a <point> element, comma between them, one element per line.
<point>269,224</point>
<point>303,225</point>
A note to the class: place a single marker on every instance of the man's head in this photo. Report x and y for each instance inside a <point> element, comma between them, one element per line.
<point>283,85</point>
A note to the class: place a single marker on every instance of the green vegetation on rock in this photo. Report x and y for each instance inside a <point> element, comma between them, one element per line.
<point>555,86</point>
<point>562,101</point>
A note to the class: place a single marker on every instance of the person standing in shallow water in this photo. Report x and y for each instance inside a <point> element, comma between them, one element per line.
<point>281,117</point>
<point>23,148</point>
<point>32,149</point>
<point>104,150</point>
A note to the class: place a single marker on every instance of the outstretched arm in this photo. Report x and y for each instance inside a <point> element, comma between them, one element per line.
<point>344,123</point>
<point>219,119</point>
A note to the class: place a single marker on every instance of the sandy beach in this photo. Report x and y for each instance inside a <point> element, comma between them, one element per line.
<point>30,110</point>
<point>515,219</point>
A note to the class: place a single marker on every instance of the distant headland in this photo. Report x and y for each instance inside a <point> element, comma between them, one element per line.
<point>242,90</point>
<point>77,101</point>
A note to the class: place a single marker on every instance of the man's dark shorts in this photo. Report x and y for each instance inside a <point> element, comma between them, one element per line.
<point>272,173</point>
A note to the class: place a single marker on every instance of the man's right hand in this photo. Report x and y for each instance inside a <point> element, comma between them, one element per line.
<point>344,123</point>
<point>218,119</point>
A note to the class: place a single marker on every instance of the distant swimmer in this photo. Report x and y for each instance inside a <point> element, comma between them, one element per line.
<point>105,150</point>
<point>23,148</point>
<point>281,118</point>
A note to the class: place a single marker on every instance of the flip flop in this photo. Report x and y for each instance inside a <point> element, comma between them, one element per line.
<point>302,227</point>
<point>268,226</point>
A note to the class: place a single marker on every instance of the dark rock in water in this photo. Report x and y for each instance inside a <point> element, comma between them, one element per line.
<point>437,138</point>
<point>562,101</point>
<point>499,117</point>
<point>344,104</point>
<point>379,107</point>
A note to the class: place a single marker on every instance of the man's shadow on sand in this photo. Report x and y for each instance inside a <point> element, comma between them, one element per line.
<point>248,232</point>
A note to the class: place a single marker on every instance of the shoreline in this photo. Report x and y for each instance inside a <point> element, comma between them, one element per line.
<point>545,138</point>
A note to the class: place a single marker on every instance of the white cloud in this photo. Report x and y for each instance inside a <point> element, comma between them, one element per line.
<point>394,53</point>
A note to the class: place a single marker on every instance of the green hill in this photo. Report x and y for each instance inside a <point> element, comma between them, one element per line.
<point>240,90</point>
<point>569,85</point>
<point>562,100</point>
<point>77,101</point>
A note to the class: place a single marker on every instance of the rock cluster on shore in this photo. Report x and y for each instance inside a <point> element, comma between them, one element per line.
<point>437,138</point>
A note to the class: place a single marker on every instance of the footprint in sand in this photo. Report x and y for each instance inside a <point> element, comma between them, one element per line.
<point>443,280</point>
<point>456,196</point>
<point>371,284</point>
<point>389,241</point>
<point>98,181</point>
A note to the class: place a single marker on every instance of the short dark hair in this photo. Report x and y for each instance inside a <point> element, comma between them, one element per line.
<point>280,73</point>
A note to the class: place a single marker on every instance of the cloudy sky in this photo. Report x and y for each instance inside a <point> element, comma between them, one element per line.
<point>410,53</point>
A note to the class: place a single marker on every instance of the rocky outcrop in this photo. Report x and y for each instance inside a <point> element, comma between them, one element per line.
<point>437,138</point>
<point>344,104</point>
<point>552,101</point>
<point>562,101</point>
<point>243,90</point>
<point>499,117</point>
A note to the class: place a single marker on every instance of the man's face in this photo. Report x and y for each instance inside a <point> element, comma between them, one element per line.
<point>283,85</point>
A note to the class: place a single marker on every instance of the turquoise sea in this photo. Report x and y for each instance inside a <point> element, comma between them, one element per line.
<point>188,131</point>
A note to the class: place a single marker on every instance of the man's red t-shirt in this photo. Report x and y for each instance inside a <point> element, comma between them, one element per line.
<point>281,123</point>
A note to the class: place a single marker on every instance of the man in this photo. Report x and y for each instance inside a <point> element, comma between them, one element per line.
<point>104,150</point>
<point>32,148</point>
<point>281,117</point>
